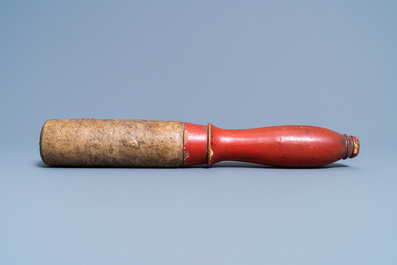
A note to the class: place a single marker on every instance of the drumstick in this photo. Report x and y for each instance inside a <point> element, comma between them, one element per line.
<point>143,143</point>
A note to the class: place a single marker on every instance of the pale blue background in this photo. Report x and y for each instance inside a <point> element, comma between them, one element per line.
<point>237,64</point>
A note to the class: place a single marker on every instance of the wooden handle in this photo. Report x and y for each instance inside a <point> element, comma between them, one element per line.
<point>283,146</point>
<point>140,143</point>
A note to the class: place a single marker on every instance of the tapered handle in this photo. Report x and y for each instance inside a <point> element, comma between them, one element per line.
<point>284,146</point>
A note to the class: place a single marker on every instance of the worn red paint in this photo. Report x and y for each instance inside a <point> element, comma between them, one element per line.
<point>285,146</point>
<point>195,144</point>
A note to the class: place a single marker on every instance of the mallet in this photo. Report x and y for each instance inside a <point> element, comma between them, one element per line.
<point>142,143</point>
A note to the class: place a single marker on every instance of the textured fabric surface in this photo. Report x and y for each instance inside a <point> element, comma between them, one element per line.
<point>115,143</point>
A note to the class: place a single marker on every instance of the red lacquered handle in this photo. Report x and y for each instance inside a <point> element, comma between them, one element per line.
<point>284,146</point>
